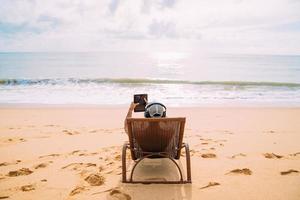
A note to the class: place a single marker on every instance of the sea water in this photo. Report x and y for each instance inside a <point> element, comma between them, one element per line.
<point>173,78</point>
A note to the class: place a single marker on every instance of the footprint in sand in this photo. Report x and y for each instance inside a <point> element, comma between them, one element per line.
<point>70,132</point>
<point>77,190</point>
<point>88,154</point>
<point>42,165</point>
<point>10,140</point>
<point>76,166</point>
<point>110,163</point>
<point>76,151</point>
<point>117,157</point>
<point>295,154</point>
<point>100,168</point>
<point>238,155</point>
<point>95,179</point>
<point>108,131</point>
<point>20,172</point>
<point>244,171</point>
<point>16,128</point>
<point>208,155</point>
<point>83,153</point>
<point>271,131</point>
<point>207,140</point>
<point>272,155</point>
<point>117,194</point>
<point>7,163</point>
<point>289,172</point>
<point>229,133</point>
<point>210,184</point>
<point>93,131</point>
<point>50,155</point>
<point>27,188</point>
<point>79,153</point>
<point>219,141</point>
<point>51,125</point>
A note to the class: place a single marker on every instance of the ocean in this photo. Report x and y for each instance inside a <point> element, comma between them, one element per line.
<point>173,78</point>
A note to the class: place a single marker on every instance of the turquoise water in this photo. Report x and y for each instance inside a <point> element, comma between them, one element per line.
<point>174,78</point>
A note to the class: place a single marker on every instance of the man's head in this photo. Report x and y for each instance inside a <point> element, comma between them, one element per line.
<point>155,109</point>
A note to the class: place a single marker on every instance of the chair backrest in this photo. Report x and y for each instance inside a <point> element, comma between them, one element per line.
<point>154,135</point>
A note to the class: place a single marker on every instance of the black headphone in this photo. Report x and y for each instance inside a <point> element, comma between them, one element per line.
<point>147,114</point>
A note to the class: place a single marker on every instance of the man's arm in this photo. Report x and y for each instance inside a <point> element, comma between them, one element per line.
<point>129,114</point>
<point>131,108</point>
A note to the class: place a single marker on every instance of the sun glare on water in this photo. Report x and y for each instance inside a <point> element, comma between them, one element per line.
<point>163,56</point>
<point>169,64</point>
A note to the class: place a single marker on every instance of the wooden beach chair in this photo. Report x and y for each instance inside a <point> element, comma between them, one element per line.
<point>155,138</point>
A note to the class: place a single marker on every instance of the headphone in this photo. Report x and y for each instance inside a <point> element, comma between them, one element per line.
<point>147,114</point>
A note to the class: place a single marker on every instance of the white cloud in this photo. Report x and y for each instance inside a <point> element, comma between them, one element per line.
<point>270,26</point>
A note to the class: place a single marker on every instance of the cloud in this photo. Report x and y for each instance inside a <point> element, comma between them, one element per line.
<point>168,3</point>
<point>162,29</point>
<point>113,5</point>
<point>271,26</point>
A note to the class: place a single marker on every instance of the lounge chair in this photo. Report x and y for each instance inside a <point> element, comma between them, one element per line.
<point>155,138</point>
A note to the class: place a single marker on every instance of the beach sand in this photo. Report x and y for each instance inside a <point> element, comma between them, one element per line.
<point>74,153</point>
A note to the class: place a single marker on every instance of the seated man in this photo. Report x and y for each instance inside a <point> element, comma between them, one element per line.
<point>154,137</point>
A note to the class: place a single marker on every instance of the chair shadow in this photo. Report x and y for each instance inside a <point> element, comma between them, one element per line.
<point>158,170</point>
<point>158,191</point>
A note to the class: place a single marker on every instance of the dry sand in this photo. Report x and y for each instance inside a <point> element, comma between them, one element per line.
<point>74,153</point>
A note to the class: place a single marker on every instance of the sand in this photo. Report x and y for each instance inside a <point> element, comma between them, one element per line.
<point>75,153</point>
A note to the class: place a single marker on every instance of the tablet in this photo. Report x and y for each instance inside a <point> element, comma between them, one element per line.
<point>142,100</point>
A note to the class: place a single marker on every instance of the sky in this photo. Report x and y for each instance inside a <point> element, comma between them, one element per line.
<point>219,26</point>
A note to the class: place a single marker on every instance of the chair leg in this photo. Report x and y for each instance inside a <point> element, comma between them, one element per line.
<point>188,163</point>
<point>124,176</point>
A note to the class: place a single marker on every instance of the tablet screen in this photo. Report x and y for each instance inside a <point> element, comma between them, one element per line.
<point>142,100</point>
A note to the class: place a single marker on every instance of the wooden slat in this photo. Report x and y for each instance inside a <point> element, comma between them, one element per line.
<point>155,134</point>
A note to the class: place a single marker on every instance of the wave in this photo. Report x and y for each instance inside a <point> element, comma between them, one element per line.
<point>140,81</point>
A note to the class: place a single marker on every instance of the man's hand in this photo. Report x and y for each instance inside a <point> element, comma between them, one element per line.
<point>133,105</point>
